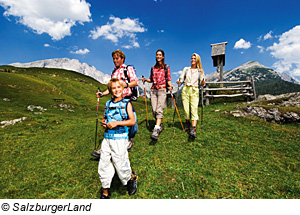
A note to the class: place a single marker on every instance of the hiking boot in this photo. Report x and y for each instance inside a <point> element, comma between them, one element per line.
<point>96,154</point>
<point>193,132</point>
<point>161,128</point>
<point>104,197</point>
<point>187,126</point>
<point>155,133</point>
<point>132,185</point>
<point>130,145</point>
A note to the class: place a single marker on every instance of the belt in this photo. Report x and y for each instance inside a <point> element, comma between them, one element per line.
<point>158,86</point>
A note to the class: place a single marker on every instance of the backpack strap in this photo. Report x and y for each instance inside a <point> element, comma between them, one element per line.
<point>166,73</point>
<point>123,107</point>
<point>166,76</point>
<point>199,81</point>
<point>107,108</point>
<point>152,74</point>
<point>125,73</point>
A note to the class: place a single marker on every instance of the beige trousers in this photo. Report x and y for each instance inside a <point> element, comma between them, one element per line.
<point>158,101</point>
<point>114,155</point>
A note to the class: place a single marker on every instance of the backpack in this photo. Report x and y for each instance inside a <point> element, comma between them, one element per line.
<point>166,75</point>
<point>132,130</point>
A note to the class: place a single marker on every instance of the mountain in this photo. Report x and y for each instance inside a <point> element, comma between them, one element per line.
<point>289,78</point>
<point>267,80</point>
<point>252,68</point>
<point>68,64</point>
<point>240,73</point>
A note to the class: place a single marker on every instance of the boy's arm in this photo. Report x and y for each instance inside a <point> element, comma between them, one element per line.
<point>129,122</point>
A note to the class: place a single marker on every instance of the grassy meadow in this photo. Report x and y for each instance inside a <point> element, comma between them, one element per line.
<point>48,156</point>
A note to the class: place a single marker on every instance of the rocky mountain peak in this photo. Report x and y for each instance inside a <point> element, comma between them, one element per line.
<point>68,64</point>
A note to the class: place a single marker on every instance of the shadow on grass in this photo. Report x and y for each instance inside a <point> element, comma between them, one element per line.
<point>153,142</point>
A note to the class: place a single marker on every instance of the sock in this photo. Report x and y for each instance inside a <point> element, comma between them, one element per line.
<point>156,127</point>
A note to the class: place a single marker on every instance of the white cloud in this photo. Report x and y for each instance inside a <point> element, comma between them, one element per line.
<point>46,45</point>
<point>118,29</point>
<point>259,38</point>
<point>242,44</point>
<point>53,17</point>
<point>177,73</point>
<point>287,51</point>
<point>261,49</point>
<point>268,35</point>
<point>80,51</point>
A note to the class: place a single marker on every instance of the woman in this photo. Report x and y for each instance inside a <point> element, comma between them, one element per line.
<point>193,77</point>
<point>160,76</point>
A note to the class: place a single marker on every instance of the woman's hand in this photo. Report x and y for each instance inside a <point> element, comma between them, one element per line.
<point>202,83</point>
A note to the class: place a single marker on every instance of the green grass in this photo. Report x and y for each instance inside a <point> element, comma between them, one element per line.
<point>48,155</point>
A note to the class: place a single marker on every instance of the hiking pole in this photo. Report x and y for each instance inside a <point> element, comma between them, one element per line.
<point>201,105</point>
<point>177,110</point>
<point>146,103</point>
<point>97,119</point>
<point>174,108</point>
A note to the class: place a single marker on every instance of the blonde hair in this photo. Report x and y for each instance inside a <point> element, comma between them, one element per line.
<point>199,64</point>
<point>114,80</point>
<point>118,53</point>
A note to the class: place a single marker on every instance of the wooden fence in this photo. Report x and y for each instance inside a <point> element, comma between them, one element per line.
<point>241,88</point>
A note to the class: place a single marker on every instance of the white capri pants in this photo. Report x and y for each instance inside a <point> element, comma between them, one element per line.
<point>114,155</point>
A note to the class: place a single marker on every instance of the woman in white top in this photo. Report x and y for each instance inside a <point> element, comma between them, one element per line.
<point>193,77</point>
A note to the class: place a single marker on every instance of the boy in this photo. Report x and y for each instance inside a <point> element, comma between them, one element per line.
<point>114,154</point>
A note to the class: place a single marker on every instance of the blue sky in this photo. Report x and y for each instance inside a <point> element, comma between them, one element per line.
<point>89,30</point>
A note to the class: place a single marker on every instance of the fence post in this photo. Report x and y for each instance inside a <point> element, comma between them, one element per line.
<point>253,87</point>
<point>248,85</point>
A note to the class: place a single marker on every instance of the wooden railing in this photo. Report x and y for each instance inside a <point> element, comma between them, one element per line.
<point>242,88</point>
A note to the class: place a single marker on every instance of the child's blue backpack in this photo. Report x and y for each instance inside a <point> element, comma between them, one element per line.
<point>132,130</point>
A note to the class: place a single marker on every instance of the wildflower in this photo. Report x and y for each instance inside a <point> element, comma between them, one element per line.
<point>201,176</point>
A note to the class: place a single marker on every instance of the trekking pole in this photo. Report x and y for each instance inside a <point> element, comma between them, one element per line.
<point>201,105</point>
<point>97,119</point>
<point>174,108</point>
<point>146,103</point>
<point>177,110</point>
